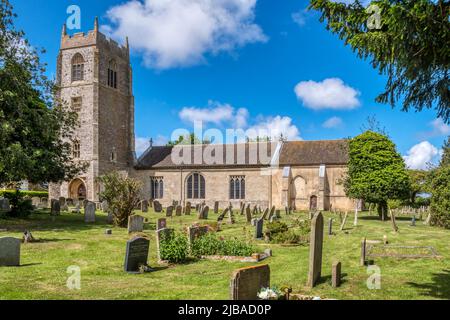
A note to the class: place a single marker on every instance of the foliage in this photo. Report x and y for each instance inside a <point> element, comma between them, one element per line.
<point>209,244</point>
<point>417,180</point>
<point>440,199</point>
<point>189,139</point>
<point>410,47</point>
<point>174,247</point>
<point>278,232</point>
<point>35,132</point>
<point>20,207</point>
<point>376,171</point>
<point>122,194</point>
<point>40,194</point>
<point>445,160</point>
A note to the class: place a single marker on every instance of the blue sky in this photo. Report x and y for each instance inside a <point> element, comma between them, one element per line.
<point>239,63</point>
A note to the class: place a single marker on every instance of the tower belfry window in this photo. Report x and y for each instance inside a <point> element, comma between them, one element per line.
<point>77,67</point>
<point>112,74</point>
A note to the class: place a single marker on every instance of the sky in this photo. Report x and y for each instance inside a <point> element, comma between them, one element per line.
<point>261,66</point>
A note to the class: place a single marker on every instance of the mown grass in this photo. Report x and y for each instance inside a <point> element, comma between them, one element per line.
<point>69,241</point>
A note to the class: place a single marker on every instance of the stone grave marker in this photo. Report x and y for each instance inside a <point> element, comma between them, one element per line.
<point>230,216</point>
<point>413,221</point>
<point>178,210</point>
<point>161,223</point>
<point>105,206</point>
<point>110,218</point>
<point>259,228</point>
<point>35,201</point>
<point>4,204</point>
<point>330,227</point>
<point>62,201</point>
<point>265,214</point>
<point>315,249</point>
<point>255,210</point>
<point>336,275</point>
<point>344,221</point>
<point>169,211</point>
<point>136,254</point>
<point>216,207</point>
<point>242,208</point>
<point>9,251</point>
<point>248,214</point>
<point>89,212</point>
<point>362,259</point>
<point>204,213</point>
<point>157,206</point>
<point>135,223</point>
<point>278,214</point>
<point>187,209</point>
<point>246,283</point>
<point>161,234</point>
<point>55,209</point>
<point>222,215</point>
<point>272,212</point>
<point>144,206</point>
<point>195,232</point>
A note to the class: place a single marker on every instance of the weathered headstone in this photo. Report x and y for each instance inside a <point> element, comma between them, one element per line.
<point>89,212</point>
<point>344,221</point>
<point>330,227</point>
<point>248,214</point>
<point>187,209</point>
<point>413,221</point>
<point>161,235</point>
<point>136,254</point>
<point>315,249</point>
<point>110,218</point>
<point>69,202</point>
<point>105,206</point>
<point>161,223</point>
<point>272,212</point>
<point>255,210</point>
<point>36,201</point>
<point>178,210</point>
<point>157,206</point>
<point>230,216</point>
<point>135,223</point>
<point>169,211</point>
<point>4,204</point>
<point>265,214</point>
<point>195,232</point>
<point>204,213</point>
<point>55,209</point>
<point>62,201</point>
<point>216,207</point>
<point>246,283</point>
<point>144,206</point>
<point>362,259</point>
<point>9,251</point>
<point>259,228</point>
<point>278,214</point>
<point>222,215</point>
<point>336,275</point>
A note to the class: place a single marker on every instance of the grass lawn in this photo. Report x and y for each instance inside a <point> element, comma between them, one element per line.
<point>69,241</point>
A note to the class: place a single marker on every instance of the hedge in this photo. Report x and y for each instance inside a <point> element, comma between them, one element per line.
<point>25,193</point>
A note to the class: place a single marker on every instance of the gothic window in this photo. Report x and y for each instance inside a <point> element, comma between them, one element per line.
<point>157,187</point>
<point>237,187</point>
<point>77,67</point>
<point>195,186</point>
<point>76,104</point>
<point>112,74</point>
<point>76,150</point>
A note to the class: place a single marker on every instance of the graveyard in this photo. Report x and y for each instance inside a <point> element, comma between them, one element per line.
<point>409,268</point>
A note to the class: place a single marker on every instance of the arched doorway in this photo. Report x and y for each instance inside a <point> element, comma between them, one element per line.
<point>313,203</point>
<point>77,189</point>
<point>299,198</point>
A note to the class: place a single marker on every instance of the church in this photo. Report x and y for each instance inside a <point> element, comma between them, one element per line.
<point>95,79</point>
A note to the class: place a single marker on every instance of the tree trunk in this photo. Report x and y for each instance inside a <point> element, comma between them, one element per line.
<point>382,210</point>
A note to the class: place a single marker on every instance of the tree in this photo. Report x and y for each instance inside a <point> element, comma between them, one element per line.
<point>35,131</point>
<point>417,180</point>
<point>376,171</point>
<point>440,199</point>
<point>410,47</point>
<point>122,194</point>
<point>445,160</point>
<point>190,139</point>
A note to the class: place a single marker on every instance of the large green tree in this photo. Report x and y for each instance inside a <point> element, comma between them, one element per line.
<point>418,184</point>
<point>410,46</point>
<point>34,131</point>
<point>376,171</point>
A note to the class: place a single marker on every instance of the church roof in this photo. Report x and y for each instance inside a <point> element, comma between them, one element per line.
<point>261,154</point>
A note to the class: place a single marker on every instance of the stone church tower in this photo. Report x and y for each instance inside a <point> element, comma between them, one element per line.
<point>94,77</point>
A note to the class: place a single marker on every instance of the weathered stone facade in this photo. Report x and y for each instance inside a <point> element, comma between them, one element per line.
<point>299,175</point>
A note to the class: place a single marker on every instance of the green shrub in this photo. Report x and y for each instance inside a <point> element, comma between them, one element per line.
<point>279,233</point>
<point>209,245</point>
<point>40,194</point>
<point>20,207</point>
<point>440,199</point>
<point>174,247</point>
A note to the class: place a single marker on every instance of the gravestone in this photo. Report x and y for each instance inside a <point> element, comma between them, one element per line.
<point>197,207</point>
<point>222,215</point>
<point>336,275</point>
<point>136,254</point>
<point>344,221</point>
<point>35,201</point>
<point>178,210</point>
<point>265,214</point>
<point>110,218</point>
<point>204,213</point>
<point>62,201</point>
<point>330,227</point>
<point>255,210</point>
<point>4,204</point>
<point>187,209</point>
<point>144,206</point>
<point>55,208</point>
<point>195,232</point>
<point>246,283</point>
<point>230,216</point>
<point>248,214</point>
<point>162,234</point>
<point>413,221</point>
<point>278,214</point>
<point>216,207</point>
<point>259,228</point>
<point>105,206</point>
<point>272,212</point>
<point>44,203</point>
<point>69,202</point>
<point>9,251</point>
<point>169,211</point>
<point>242,208</point>
<point>135,223</point>
<point>161,223</point>
<point>89,212</point>
<point>315,249</point>
<point>157,206</point>
<point>362,259</point>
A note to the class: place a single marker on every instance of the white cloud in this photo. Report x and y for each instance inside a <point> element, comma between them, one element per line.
<point>216,113</point>
<point>331,93</point>
<point>299,17</point>
<point>333,122</point>
<point>420,155</point>
<point>274,127</point>
<point>440,128</point>
<point>179,33</point>
<point>141,144</point>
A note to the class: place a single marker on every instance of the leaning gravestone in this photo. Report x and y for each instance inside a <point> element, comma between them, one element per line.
<point>169,211</point>
<point>259,228</point>
<point>204,213</point>
<point>135,223</point>
<point>216,207</point>
<point>230,217</point>
<point>178,210</point>
<point>55,208</point>
<point>315,249</point>
<point>222,215</point>
<point>246,283</point>
<point>136,254</point>
<point>265,214</point>
<point>9,251</point>
<point>144,206</point>
<point>89,212</point>
<point>272,212</point>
